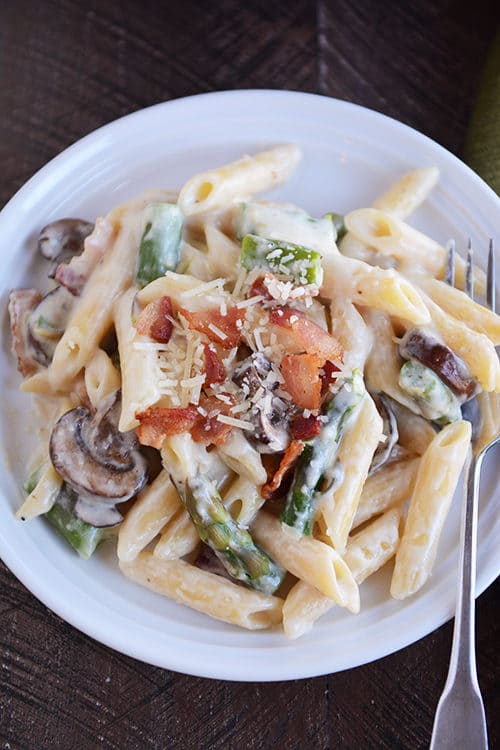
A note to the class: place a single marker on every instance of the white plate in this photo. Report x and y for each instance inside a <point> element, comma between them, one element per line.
<point>350,155</point>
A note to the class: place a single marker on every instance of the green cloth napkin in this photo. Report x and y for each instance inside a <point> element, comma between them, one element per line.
<point>482,147</point>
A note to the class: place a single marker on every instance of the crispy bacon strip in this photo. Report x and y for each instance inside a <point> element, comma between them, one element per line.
<point>208,429</point>
<point>302,379</point>
<point>21,303</point>
<point>155,320</point>
<point>214,369</point>
<point>306,333</point>
<point>328,374</point>
<point>157,423</point>
<point>211,321</point>
<point>287,462</point>
<point>305,428</point>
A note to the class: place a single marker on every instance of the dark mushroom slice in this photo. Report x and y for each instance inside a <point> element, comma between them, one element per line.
<point>251,373</point>
<point>424,346</point>
<point>101,438</point>
<point>75,463</point>
<point>97,513</point>
<point>271,420</point>
<point>47,323</point>
<point>383,453</point>
<point>61,240</point>
<point>270,415</point>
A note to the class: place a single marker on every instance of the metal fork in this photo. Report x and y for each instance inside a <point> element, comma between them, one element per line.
<point>460,720</point>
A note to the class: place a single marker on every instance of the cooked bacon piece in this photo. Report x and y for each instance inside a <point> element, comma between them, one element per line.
<point>328,375</point>
<point>21,303</point>
<point>286,464</point>
<point>157,423</point>
<point>302,379</point>
<point>74,275</point>
<point>212,321</point>
<point>208,429</point>
<point>304,428</point>
<point>307,334</point>
<point>259,287</point>
<point>214,369</point>
<point>155,320</point>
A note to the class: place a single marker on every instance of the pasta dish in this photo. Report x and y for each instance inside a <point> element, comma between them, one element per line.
<point>259,407</point>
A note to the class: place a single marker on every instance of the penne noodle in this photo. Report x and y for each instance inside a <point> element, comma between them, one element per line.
<point>389,486</point>
<point>366,553</point>
<point>459,305</point>
<point>435,484</point>
<point>139,368</point>
<point>308,559</point>
<point>43,496</point>
<point>243,500</point>
<point>101,377</point>
<point>251,174</point>
<point>408,193</point>
<point>178,538</point>
<point>358,445</point>
<point>370,286</point>
<point>152,510</point>
<point>204,591</point>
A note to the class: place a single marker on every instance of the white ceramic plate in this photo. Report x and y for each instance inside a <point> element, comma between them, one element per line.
<point>350,155</point>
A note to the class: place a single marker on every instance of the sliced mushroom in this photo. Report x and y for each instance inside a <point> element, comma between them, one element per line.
<point>89,469</point>
<point>252,373</point>
<point>101,438</point>
<point>96,513</point>
<point>271,426</point>
<point>61,240</point>
<point>47,322</point>
<point>270,415</point>
<point>86,508</point>
<point>424,346</point>
<point>383,453</point>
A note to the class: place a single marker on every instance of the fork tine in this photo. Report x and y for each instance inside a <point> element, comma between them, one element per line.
<point>490,279</point>
<point>469,281</point>
<point>450,264</point>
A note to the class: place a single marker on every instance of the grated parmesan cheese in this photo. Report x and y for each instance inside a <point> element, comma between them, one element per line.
<point>215,329</point>
<point>203,288</point>
<point>235,422</point>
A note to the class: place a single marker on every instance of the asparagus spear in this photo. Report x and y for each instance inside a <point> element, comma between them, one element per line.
<point>83,537</point>
<point>232,544</point>
<point>159,250</point>
<point>301,263</point>
<point>338,223</point>
<point>316,460</point>
<point>285,223</point>
<point>433,398</point>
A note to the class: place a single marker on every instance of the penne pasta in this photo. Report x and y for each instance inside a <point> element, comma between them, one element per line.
<point>308,559</point>
<point>391,485</point>
<point>178,538</point>
<point>218,187</point>
<point>435,484</point>
<point>204,591</point>
<point>338,508</point>
<point>152,510</point>
<point>366,553</point>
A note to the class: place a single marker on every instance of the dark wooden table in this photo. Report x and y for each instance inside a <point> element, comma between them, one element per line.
<point>67,67</point>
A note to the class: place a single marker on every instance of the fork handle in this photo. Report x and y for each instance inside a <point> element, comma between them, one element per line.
<point>460,720</point>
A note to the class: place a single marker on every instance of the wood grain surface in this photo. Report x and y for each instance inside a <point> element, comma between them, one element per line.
<point>67,67</point>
